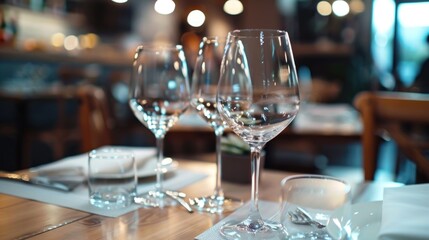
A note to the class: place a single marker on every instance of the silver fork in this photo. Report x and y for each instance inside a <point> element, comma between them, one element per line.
<point>300,216</point>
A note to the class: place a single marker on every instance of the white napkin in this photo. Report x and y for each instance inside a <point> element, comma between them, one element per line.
<point>405,213</point>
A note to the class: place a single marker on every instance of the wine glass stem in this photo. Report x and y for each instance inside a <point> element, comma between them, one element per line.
<point>218,188</point>
<point>160,157</point>
<point>255,217</point>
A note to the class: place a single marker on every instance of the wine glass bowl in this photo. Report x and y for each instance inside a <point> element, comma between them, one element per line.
<point>258,97</point>
<point>159,94</point>
<point>203,100</point>
<point>205,80</point>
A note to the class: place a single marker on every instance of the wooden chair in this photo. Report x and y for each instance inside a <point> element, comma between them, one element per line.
<point>404,117</point>
<point>69,114</point>
<point>95,120</point>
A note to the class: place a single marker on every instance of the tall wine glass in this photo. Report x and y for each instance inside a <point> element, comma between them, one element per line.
<point>203,99</point>
<point>159,94</point>
<point>258,97</point>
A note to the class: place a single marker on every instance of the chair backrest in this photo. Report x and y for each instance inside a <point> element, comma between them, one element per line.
<point>95,121</point>
<point>390,112</point>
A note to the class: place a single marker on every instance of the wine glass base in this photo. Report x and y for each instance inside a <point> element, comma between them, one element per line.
<point>154,199</point>
<point>245,230</point>
<point>215,204</point>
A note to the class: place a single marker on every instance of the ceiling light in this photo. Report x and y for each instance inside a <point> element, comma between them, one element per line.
<point>233,7</point>
<point>340,8</point>
<point>196,18</point>
<point>164,7</point>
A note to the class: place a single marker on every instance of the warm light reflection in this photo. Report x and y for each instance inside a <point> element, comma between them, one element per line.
<point>164,7</point>
<point>88,41</point>
<point>357,6</point>
<point>57,40</point>
<point>196,18</point>
<point>324,8</point>
<point>233,7</point>
<point>71,42</point>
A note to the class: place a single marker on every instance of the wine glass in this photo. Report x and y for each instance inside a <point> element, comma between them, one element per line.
<point>159,94</point>
<point>203,99</point>
<point>258,97</point>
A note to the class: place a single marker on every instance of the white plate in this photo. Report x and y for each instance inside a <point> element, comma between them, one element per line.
<point>145,157</point>
<point>366,220</point>
<point>149,167</point>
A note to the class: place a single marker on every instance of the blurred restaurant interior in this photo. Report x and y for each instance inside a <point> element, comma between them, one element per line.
<point>341,48</point>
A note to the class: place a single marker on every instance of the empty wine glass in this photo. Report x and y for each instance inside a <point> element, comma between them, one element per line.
<point>159,94</point>
<point>203,99</point>
<point>258,97</point>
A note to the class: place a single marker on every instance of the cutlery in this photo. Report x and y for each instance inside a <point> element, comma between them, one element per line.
<point>180,200</point>
<point>301,216</point>
<point>177,196</point>
<point>65,186</point>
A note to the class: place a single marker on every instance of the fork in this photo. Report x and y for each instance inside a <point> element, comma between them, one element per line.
<point>300,216</point>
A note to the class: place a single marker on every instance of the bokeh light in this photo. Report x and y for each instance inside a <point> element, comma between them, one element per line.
<point>357,6</point>
<point>340,8</point>
<point>57,40</point>
<point>324,8</point>
<point>164,7</point>
<point>196,18</point>
<point>233,7</point>
<point>71,42</point>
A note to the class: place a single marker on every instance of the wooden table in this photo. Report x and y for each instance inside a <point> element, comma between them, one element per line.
<point>22,218</point>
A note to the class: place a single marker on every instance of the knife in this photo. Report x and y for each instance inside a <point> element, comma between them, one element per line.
<point>65,186</point>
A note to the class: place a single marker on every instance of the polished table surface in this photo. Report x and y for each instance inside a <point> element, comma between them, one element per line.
<point>22,218</point>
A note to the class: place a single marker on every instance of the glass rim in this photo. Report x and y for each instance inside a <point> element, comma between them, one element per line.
<point>256,33</point>
<point>210,38</point>
<point>158,46</point>
<point>213,40</point>
<point>153,48</point>
<point>316,176</point>
<point>110,152</point>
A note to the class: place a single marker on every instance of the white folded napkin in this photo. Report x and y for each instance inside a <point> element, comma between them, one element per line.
<point>405,213</point>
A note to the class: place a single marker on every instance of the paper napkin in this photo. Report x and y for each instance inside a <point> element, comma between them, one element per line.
<point>405,213</point>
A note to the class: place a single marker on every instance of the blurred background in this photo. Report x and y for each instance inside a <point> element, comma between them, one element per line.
<point>341,47</point>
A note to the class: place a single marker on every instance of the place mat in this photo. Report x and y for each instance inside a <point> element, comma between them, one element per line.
<point>268,209</point>
<point>78,199</point>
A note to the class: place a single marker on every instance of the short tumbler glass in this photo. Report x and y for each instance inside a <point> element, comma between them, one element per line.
<point>315,207</point>
<point>112,178</point>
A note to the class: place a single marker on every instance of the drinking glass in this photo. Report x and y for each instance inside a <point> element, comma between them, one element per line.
<point>159,94</point>
<point>258,97</point>
<point>112,179</point>
<point>316,207</point>
<point>203,99</point>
